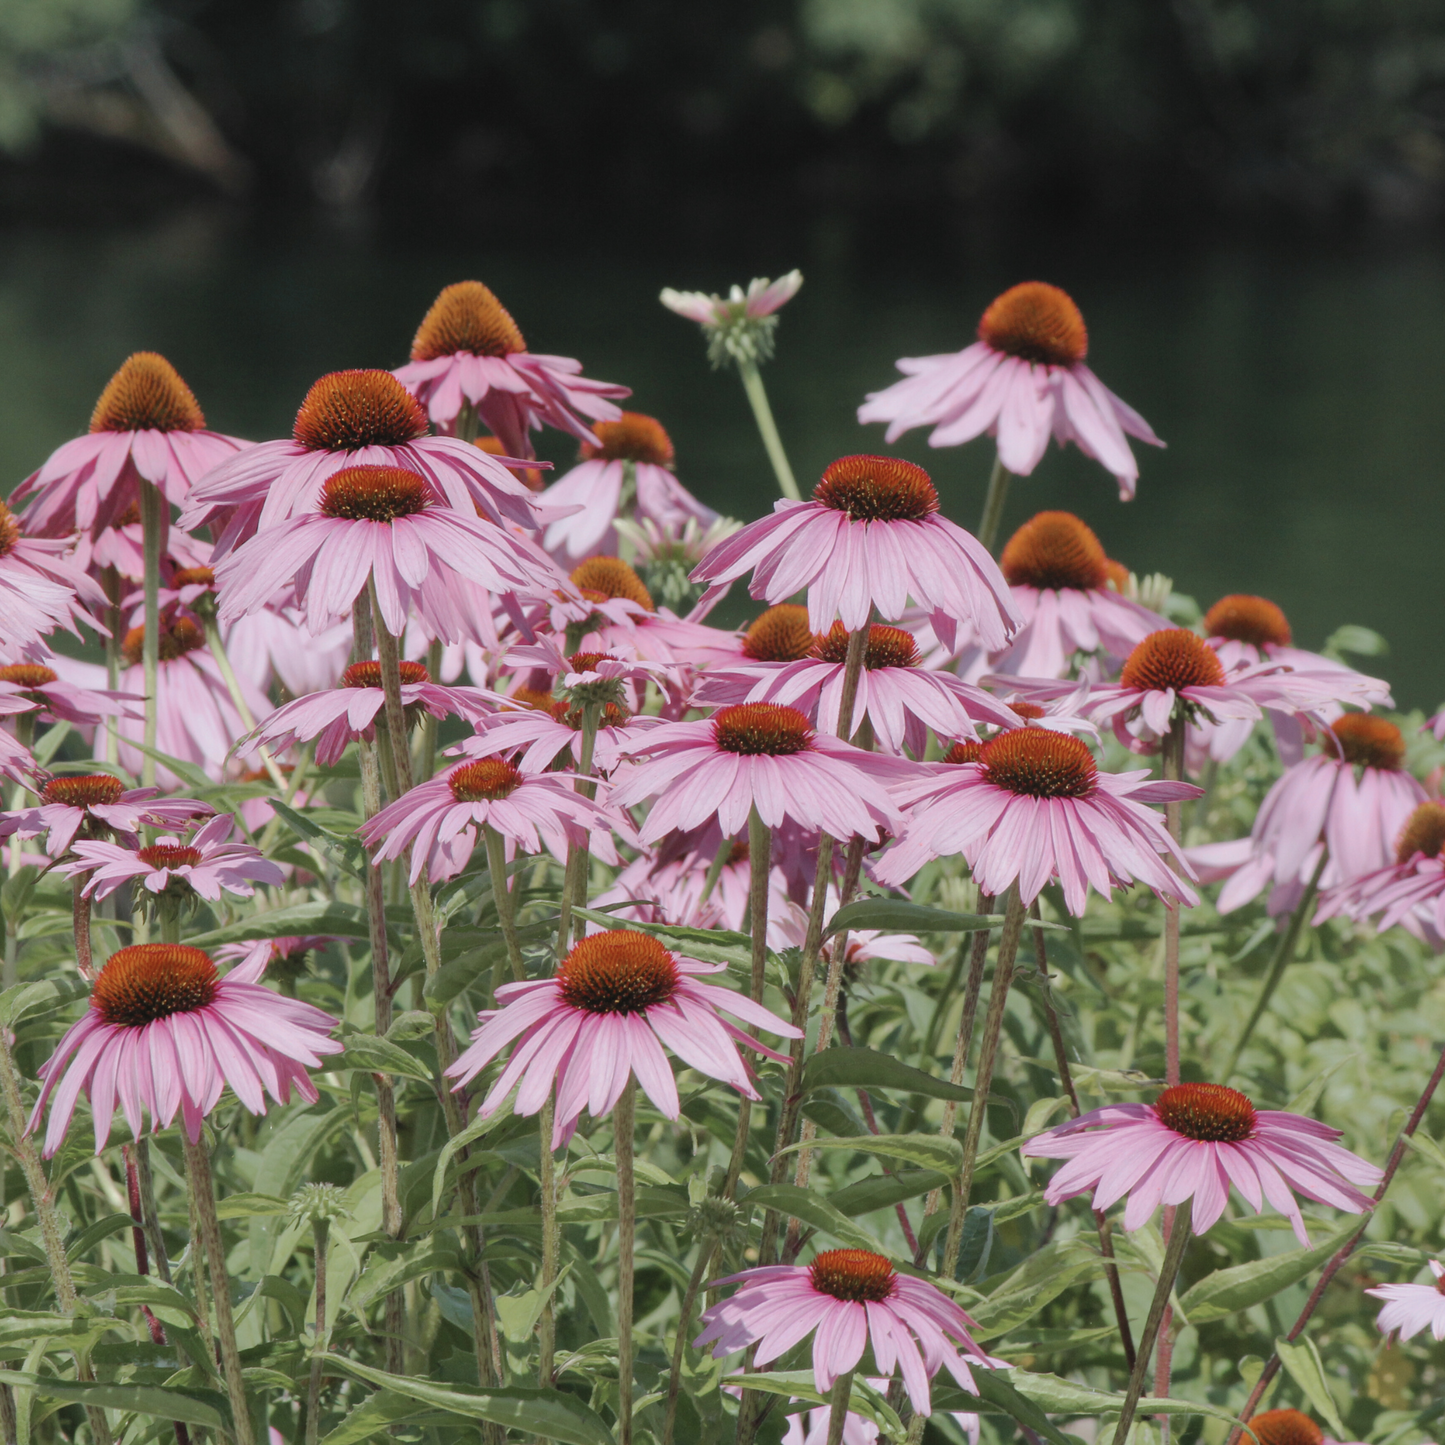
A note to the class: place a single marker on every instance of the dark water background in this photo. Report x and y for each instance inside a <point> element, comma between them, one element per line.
<point>1299,388</point>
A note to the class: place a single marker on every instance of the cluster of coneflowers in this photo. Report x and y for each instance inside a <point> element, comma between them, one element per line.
<point>904,698</point>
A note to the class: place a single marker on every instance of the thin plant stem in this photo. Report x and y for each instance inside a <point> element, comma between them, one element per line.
<point>217,645</point>
<point>1284,953</point>
<point>320,1234</point>
<point>1173,769</point>
<point>502,897</point>
<point>1341,1256</point>
<point>623,1119</point>
<point>706,1248</point>
<point>110,583</point>
<point>198,1277</point>
<point>155,519</point>
<point>1168,1273</point>
<point>80,918</point>
<point>150,1215</point>
<point>1003,968</point>
<point>426,758</point>
<point>838,1412</point>
<point>574,884</point>
<point>977,959</point>
<point>138,1238</point>
<point>993,503</point>
<point>757,395</point>
<point>203,1193</point>
<point>547,1179</point>
<point>1066,1078</point>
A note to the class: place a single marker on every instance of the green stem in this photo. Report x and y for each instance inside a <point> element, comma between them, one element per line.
<point>1168,1273</point>
<point>468,422</point>
<point>502,897</point>
<point>1003,968</point>
<point>203,1193</point>
<point>993,504</point>
<point>155,518</point>
<point>623,1119</point>
<point>838,1414</point>
<point>217,644</point>
<point>706,1248</point>
<point>80,921</point>
<point>1283,956</point>
<point>1173,769</point>
<point>579,856</point>
<point>427,743</point>
<point>110,582</point>
<point>320,1231</point>
<point>547,1178</point>
<point>768,429</point>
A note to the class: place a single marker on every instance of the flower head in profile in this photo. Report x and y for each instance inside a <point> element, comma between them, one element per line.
<point>1291,1427</point>
<point>42,587</point>
<point>204,866</point>
<point>36,688</point>
<point>617,1001</point>
<point>1195,1141</point>
<point>757,755</point>
<point>468,352</point>
<point>146,426</point>
<point>282,960</point>
<point>848,1300</point>
<point>1032,806</point>
<point>870,537</point>
<point>1411,1308</point>
<point>739,327</point>
<point>1022,381</point>
<point>164,1032</point>
<point>97,806</point>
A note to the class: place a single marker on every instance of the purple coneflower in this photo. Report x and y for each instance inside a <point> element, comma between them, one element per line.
<point>1411,1308</point>
<point>97,806</point>
<point>1193,1142</point>
<point>163,1032</point>
<point>1409,891</point>
<point>617,1000</point>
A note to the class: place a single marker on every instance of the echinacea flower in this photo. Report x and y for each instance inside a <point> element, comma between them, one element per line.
<point>871,536</point>
<point>757,755</point>
<point>1023,380</point>
<point>205,865</point>
<point>788,928</point>
<point>283,960</point>
<point>164,1033</point>
<point>146,425</point>
<point>1195,1141</point>
<point>848,1300</point>
<point>900,699</point>
<point>1354,799</point>
<point>617,1000</point>
<point>810,1427</point>
<point>41,588</point>
<point>469,352</point>
<point>36,688</point>
<point>97,806</point>
<point>739,326</point>
<point>1411,1308</point>
<point>537,730</point>
<point>347,712</point>
<point>1291,1427</point>
<point>439,819</point>
<point>634,444</point>
<point>1033,807</point>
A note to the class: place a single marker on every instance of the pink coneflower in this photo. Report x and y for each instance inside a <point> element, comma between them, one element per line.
<point>1193,1142</point>
<point>283,959</point>
<point>587,676</point>
<point>1411,1308</point>
<point>395,527</point>
<point>274,643</point>
<point>347,712</point>
<point>97,806</point>
<point>1409,891</point>
<point>616,1001</point>
<point>164,1032</point>
<point>739,326</point>
<point>205,865</point>
<point>1021,381</point>
<point>41,588</point>
<point>1290,1427</point>
<point>37,688</point>
<point>439,820</point>
<point>352,419</point>
<point>469,351</point>
<point>758,754</point>
<point>669,880</point>
<point>1354,799</point>
<point>596,483</point>
<point>538,730</point>
<point>122,546</point>
<point>810,1427</point>
<point>788,928</point>
<point>145,425</point>
<point>847,1299</point>
<point>872,536</point>
<point>896,695</point>
<point>1032,808</point>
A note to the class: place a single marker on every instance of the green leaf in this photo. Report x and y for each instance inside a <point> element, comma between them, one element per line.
<point>249,1206</point>
<point>18,1327</point>
<point>711,945</point>
<point>373,1055</point>
<point>344,920</point>
<point>811,1209</point>
<point>858,1068</point>
<point>1243,1285</point>
<point>1039,1280</point>
<point>1302,1361</point>
<point>1063,1397</point>
<point>799,1385</point>
<point>996,1388</point>
<point>894,915</point>
<point>930,1151</point>
<point>169,1402</point>
<point>32,1000</point>
<point>552,1414</point>
<point>376,1417</point>
<point>1304,1102</point>
<point>437,1254</point>
<point>883,1191</point>
<point>92,1235</point>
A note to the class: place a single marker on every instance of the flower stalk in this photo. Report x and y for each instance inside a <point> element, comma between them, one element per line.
<point>154,515</point>
<point>80,920</point>
<point>623,1122</point>
<point>838,1412</point>
<point>320,1236</point>
<point>757,395</point>
<point>993,504</point>
<point>1168,1273</point>
<point>217,645</point>
<point>502,898</point>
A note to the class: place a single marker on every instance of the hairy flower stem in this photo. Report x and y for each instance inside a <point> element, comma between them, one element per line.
<point>203,1193</point>
<point>80,920</point>
<point>1168,1273</point>
<point>977,959</point>
<point>838,1413</point>
<point>217,645</point>
<point>502,897</point>
<point>155,522</point>
<point>706,1248</point>
<point>52,1241</point>
<point>757,395</point>
<point>1003,968</point>
<point>110,583</point>
<point>547,1179</point>
<point>993,503</point>
<point>1066,1078</point>
<point>320,1235</point>
<point>623,1119</point>
<point>579,855</point>
<point>1341,1256</point>
<point>1283,956</point>
<point>426,749</point>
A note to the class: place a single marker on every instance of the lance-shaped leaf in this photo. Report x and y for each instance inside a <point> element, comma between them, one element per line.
<point>893,915</point>
<point>33,1000</point>
<point>812,1209</point>
<point>857,1068</point>
<point>1306,1369</point>
<point>799,1385</point>
<point>928,1151</point>
<point>170,1402</point>
<point>373,1055</point>
<point>344,920</point>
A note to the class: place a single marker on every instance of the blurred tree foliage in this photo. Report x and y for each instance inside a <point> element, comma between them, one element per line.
<point>1307,105</point>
